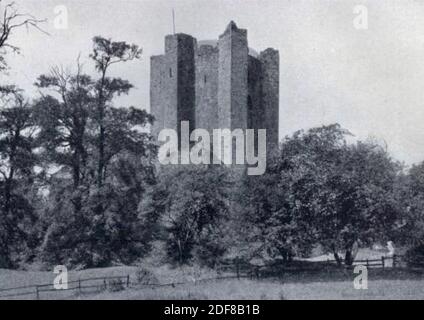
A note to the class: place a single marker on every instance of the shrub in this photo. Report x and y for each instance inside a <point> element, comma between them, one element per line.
<point>209,250</point>
<point>116,285</point>
<point>145,276</point>
<point>414,257</point>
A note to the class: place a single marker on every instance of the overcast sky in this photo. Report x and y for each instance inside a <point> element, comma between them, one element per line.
<point>371,81</point>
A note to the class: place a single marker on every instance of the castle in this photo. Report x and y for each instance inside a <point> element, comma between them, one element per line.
<point>215,84</point>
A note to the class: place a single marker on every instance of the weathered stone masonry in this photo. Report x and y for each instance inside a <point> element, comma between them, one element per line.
<point>216,85</point>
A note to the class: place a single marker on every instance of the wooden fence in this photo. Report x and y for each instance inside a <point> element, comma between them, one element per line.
<point>80,285</point>
<point>383,262</point>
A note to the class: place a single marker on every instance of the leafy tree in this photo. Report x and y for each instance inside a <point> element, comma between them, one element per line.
<point>410,229</point>
<point>83,238</point>
<point>329,192</point>
<point>105,54</point>
<point>362,199</point>
<point>63,119</point>
<point>62,114</point>
<point>194,205</point>
<point>16,154</point>
<point>17,161</point>
<point>105,157</point>
<point>272,228</point>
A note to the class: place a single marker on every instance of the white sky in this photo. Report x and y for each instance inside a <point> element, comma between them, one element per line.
<point>370,81</point>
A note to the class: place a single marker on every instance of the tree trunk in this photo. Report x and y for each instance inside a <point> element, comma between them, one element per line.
<point>337,257</point>
<point>180,252</point>
<point>101,155</point>
<point>348,257</point>
<point>350,253</point>
<point>102,133</point>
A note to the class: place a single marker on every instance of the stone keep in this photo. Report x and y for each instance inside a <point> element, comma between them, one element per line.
<point>215,84</point>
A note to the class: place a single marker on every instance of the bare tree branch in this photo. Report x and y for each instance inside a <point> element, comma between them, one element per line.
<point>10,20</point>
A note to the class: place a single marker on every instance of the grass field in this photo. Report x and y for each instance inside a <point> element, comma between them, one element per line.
<point>388,284</point>
<point>273,290</point>
<point>329,284</point>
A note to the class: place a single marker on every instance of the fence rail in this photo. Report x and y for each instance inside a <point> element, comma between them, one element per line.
<point>79,285</point>
<point>382,262</point>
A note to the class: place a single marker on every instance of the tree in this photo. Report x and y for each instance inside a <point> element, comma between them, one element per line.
<point>273,229</point>
<point>105,156</point>
<point>62,115</point>
<point>105,54</point>
<point>193,202</point>
<point>363,202</point>
<point>17,161</point>
<point>329,192</point>
<point>410,229</point>
<point>16,154</point>
<point>63,120</point>
<point>86,239</point>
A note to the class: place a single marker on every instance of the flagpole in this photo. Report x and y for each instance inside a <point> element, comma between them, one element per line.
<point>173,20</point>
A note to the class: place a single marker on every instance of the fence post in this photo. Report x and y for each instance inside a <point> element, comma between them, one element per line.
<point>37,293</point>
<point>238,269</point>
<point>79,286</point>
<point>105,283</point>
<point>382,261</point>
<point>394,261</point>
<point>368,264</point>
<point>128,281</point>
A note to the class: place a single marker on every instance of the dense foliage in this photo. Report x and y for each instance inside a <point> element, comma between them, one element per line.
<point>193,203</point>
<point>322,190</point>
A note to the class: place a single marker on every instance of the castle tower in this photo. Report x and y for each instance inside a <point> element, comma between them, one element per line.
<point>219,85</point>
<point>172,89</point>
<point>232,84</point>
<point>232,78</point>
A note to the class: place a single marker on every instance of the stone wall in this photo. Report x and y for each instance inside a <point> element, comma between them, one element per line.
<point>254,103</point>
<point>270,60</point>
<point>207,87</point>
